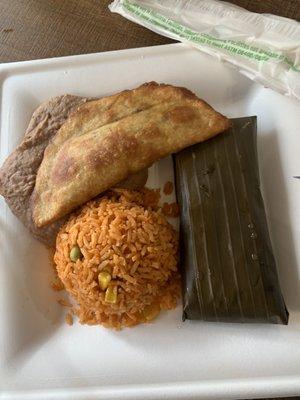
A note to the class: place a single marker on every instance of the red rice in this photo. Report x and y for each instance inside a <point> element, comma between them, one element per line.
<point>120,233</point>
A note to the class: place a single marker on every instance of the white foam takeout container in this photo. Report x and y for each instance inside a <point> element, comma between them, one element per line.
<point>43,358</point>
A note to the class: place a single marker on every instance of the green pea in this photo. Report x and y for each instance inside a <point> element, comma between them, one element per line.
<point>75,253</point>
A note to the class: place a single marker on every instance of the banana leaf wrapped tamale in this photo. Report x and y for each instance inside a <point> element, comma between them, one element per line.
<point>228,268</point>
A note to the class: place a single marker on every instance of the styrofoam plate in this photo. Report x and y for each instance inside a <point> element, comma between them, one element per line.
<point>43,358</point>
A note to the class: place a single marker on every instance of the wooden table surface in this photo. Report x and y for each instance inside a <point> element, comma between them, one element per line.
<point>31,29</point>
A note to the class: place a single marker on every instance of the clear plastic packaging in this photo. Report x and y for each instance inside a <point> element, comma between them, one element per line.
<point>266,48</point>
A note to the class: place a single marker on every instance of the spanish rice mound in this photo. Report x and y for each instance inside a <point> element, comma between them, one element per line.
<point>119,234</point>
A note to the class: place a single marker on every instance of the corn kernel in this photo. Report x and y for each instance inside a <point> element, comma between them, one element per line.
<point>151,312</point>
<point>111,294</point>
<point>104,278</point>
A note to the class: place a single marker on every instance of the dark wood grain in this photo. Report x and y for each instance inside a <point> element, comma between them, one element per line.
<point>31,29</point>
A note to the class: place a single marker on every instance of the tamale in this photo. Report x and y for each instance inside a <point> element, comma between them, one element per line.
<point>228,267</point>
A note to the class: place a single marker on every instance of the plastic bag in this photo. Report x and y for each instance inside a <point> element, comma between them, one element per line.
<point>266,48</point>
